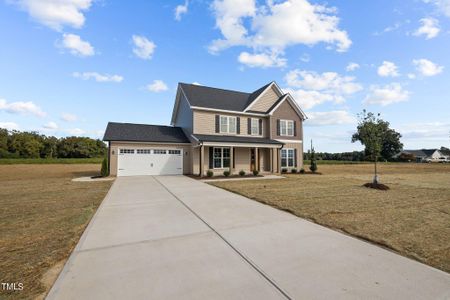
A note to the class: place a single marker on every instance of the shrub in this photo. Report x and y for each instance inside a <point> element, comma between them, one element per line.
<point>226,173</point>
<point>241,172</point>
<point>293,170</point>
<point>283,170</point>
<point>313,166</point>
<point>209,173</point>
<point>104,170</point>
<point>255,172</point>
<point>302,171</point>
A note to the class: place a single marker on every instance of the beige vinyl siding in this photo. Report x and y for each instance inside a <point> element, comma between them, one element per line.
<point>242,160</point>
<point>205,123</point>
<point>184,118</point>
<point>286,112</point>
<point>266,100</point>
<point>264,159</point>
<point>299,158</point>
<point>115,146</point>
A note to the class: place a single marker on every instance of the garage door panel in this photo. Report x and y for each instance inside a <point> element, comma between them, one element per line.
<point>147,161</point>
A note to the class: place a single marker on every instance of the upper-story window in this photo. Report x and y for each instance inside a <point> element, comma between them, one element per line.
<point>254,126</point>
<point>287,127</point>
<point>227,124</point>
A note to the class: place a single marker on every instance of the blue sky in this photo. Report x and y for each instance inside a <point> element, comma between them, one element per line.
<point>70,66</point>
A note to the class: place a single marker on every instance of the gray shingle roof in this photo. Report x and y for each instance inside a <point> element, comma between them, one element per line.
<point>421,152</point>
<point>235,139</point>
<point>210,97</point>
<point>144,133</point>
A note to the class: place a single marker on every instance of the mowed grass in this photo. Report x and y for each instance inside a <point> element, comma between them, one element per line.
<point>412,218</point>
<point>42,216</point>
<point>14,161</point>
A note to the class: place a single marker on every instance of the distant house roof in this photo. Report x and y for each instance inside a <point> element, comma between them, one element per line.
<point>144,133</point>
<point>235,139</point>
<point>421,152</point>
<point>445,151</point>
<point>209,97</point>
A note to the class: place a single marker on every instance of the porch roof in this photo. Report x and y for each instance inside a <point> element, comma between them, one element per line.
<point>235,139</point>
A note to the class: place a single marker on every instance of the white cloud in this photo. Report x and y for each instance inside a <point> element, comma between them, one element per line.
<point>196,83</point>
<point>262,60</point>
<point>69,117</point>
<point>386,95</point>
<point>309,99</point>
<point>76,45</point>
<point>51,126</point>
<point>430,28</point>
<point>143,47</point>
<point>20,107</point>
<point>411,76</point>
<point>98,77</point>
<point>56,13</point>
<point>425,130</point>
<point>75,131</point>
<point>157,86</point>
<point>388,69</point>
<point>181,10</point>
<point>442,5</point>
<point>9,125</point>
<point>352,67</point>
<point>427,67</point>
<point>337,117</point>
<point>276,25</point>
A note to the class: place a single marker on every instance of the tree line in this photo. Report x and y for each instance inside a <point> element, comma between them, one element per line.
<point>23,144</point>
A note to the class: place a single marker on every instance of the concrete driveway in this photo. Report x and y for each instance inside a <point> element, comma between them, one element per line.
<point>172,237</point>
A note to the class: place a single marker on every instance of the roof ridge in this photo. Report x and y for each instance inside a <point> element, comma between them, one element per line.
<point>156,125</point>
<point>215,88</point>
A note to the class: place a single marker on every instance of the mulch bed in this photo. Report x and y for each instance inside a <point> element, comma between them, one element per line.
<point>306,173</point>
<point>223,177</point>
<point>377,186</point>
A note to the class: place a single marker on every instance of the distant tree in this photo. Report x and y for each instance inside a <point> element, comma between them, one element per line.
<point>407,157</point>
<point>4,143</point>
<point>50,147</point>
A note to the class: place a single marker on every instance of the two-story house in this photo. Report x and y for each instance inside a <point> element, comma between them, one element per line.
<point>213,129</point>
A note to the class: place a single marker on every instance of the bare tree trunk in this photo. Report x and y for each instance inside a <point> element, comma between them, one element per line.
<point>375,177</point>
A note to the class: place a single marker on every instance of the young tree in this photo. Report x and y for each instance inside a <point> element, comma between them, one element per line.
<point>313,166</point>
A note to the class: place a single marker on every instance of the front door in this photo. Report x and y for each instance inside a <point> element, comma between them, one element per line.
<point>252,159</point>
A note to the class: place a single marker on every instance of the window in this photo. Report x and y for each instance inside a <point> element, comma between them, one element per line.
<point>126,151</point>
<point>255,126</point>
<point>143,151</point>
<point>287,158</point>
<point>175,152</point>
<point>287,127</point>
<point>227,124</point>
<point>158,151</point>
<point>221,158</point>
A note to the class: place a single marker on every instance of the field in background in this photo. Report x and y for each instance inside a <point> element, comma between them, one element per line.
<point>14,161</point>
<point>412,218</point>
<point>42,216</point>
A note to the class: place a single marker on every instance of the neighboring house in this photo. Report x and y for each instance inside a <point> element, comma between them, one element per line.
<point>428,155</point>
<point>213,129</point>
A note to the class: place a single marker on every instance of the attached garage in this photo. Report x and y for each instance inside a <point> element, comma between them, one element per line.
<point>136,150</point>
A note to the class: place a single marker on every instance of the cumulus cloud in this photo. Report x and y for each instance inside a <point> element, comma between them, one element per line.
<point>352,67</point>
<point>9,125</point>
<point>309,99</point>
<point>427,67</point>
<point>56,13</point>
<point>276,25</point>
<point>262,60</point>
<point>442,5</point>
<point>196,83</point>
<point>388,69</point>
<point>98,77</point>
<point>50,126</point>
<point>76,45</point>
<point>425,130</point>
<point>68,117</point>
<point>143,47</point>
<point>386,95</point>
<point>24,108</point>
<point>337,117</point>
<point>157,86</point>
<point>181,10</point>
<point>430,28</point>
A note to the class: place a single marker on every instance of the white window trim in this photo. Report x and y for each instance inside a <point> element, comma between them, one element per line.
<point>257,126</point>
<point>228,124</point>
<point>287,158</point>
<point>221,158</point>
<point>287,122</point>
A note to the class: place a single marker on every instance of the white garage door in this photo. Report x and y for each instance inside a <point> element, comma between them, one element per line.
<point>148,161</point>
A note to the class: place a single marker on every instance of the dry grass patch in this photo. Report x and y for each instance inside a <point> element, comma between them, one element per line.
<point>412,218</point>
<point>42,216</point>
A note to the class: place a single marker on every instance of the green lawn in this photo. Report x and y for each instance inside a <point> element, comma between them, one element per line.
<point>14,161</point>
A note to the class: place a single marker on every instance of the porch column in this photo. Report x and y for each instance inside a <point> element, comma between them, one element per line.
<point>256,159</point>
<point>271,159</point>
<point>231,159</point>
<point>202,160</point>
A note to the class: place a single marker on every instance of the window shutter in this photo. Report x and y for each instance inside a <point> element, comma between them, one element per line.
<point>217,123</point>
<point>278,127</point>
<point>238,125</point>
<point>295,128</point>
<point>260,126</point>
<point>249,126</point>
<point>295,156</point>
<point>211,157</point>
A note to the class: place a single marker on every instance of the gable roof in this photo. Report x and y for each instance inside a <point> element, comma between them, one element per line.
<point>421,152</point>
<point>144,133</point>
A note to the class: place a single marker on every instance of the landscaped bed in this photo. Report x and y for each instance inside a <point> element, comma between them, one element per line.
<point>42,216</point>
<point>411,218</point>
